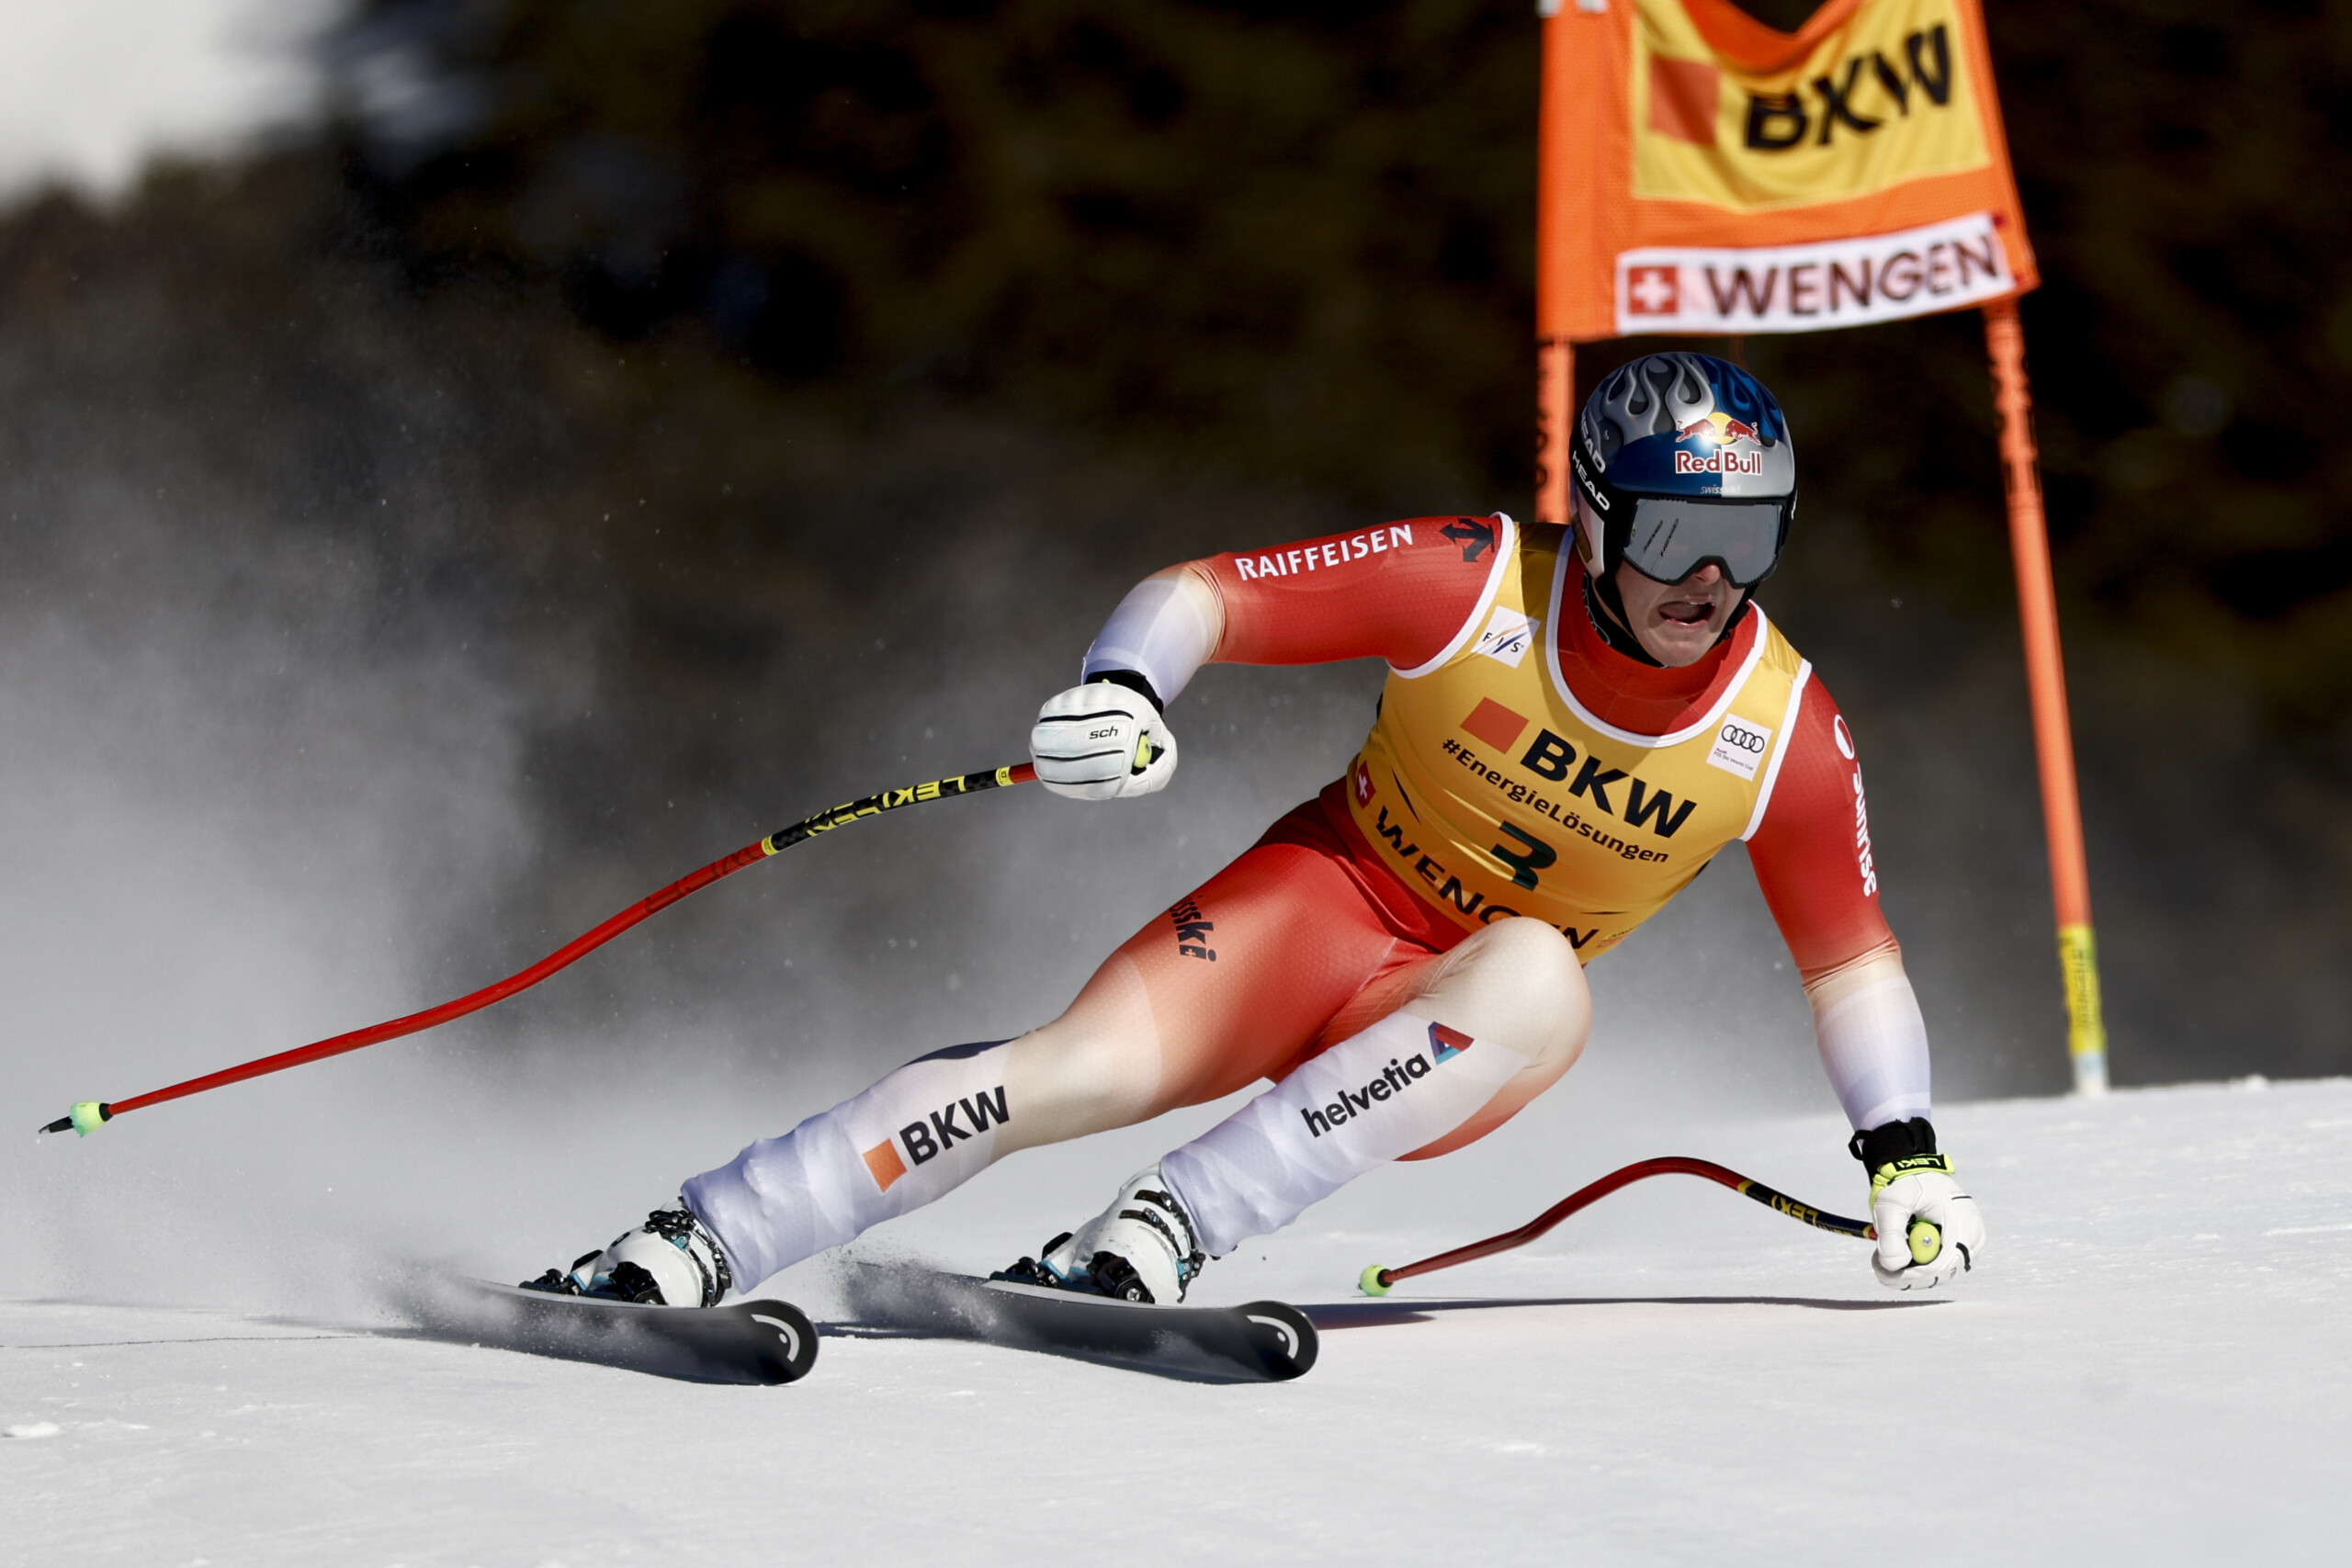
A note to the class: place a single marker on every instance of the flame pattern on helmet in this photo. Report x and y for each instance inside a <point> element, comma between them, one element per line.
<point>1656,395</point>
<point>1634,420</point>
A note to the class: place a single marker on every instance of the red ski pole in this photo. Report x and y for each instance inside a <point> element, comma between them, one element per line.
<point>89,1115</point>
<point>1376,1280</point>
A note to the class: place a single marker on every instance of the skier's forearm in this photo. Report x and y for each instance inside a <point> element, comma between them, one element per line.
<point>1872,1040</point>
<point>1164,630</point>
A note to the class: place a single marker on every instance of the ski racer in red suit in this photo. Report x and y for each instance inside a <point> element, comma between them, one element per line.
<point>1574,722</point>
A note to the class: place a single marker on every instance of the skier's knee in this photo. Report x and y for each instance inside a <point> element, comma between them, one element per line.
<point>1517,982</point>
<point>1071,1081</point>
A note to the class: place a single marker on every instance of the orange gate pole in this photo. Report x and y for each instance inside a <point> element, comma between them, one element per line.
<point>2053,744</point>
<point>1556,396</point>
<point>1559,221</point>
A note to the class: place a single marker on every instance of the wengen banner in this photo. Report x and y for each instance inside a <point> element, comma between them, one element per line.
<point>1700,172</point>
<point>1703,173</point>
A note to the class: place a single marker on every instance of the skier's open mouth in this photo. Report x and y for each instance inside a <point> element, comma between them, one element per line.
<point>1687,612</point>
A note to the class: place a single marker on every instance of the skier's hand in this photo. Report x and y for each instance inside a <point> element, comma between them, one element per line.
<point>1929,1229</point>
<point>1103,741</point>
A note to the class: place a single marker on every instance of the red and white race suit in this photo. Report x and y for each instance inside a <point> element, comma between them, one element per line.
<point>1402,954</point>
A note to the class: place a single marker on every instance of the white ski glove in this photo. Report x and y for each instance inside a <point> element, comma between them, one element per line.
<point>1929,1230</point>
<point>1103,741</point>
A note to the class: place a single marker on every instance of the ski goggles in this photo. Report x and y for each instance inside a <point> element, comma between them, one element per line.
<point>1671,537</point>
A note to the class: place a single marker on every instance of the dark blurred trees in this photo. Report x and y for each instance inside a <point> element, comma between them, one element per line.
<point>1295,238</point>
<point>703,344</point>
<point>2179,164</point>
<point>1288,235</point>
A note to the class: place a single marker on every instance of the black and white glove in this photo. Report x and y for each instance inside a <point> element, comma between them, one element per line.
<point>1929,1229</point>
<point>1105,740</point>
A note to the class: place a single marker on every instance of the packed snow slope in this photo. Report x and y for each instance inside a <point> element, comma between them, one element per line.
<point>2150,1366</point>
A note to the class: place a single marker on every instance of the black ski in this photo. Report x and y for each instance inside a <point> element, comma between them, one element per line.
<point>1259,1342</point>
<point>739,1342</point>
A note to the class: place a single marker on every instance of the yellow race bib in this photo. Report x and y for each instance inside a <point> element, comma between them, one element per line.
<point>1491,790</point>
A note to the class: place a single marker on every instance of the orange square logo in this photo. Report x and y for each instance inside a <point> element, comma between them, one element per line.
<point>1494,724</point>
<point>882,1160</point>
<point>1683,96</point>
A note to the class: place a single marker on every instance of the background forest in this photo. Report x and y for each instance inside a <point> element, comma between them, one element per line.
<point>743,406</point>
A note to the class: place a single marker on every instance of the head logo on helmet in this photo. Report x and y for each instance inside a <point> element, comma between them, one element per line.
<point>1680,459</point>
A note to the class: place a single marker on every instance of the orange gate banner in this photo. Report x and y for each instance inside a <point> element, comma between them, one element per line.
<point>1702,172</point>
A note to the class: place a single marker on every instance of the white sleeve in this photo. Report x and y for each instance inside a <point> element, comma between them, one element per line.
<point>1164,630</point>
<point>1873,1041</point>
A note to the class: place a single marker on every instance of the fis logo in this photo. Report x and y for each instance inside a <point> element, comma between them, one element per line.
<point>1720,439</point>
<point>923,1141</point>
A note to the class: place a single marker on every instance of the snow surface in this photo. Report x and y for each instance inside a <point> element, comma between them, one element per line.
<point>2150,1367</point>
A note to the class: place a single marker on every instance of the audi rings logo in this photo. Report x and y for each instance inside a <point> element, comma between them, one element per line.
<point>1740,746</point>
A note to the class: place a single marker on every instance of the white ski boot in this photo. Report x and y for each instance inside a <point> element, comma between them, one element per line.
<point>1142,1248</point>
<point>670,1261</point>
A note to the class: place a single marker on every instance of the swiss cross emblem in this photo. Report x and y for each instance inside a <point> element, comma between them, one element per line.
<point>1653,291</point>
<point>1364,784</point>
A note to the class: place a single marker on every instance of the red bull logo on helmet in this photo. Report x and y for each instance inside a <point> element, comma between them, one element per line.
<point>1720,439</point>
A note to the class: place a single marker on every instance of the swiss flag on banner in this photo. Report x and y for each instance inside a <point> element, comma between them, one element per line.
<point>1654,290</point>
<point>1702,173</point>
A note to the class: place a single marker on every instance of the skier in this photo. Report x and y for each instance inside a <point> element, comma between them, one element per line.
<point>1574,722</point>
